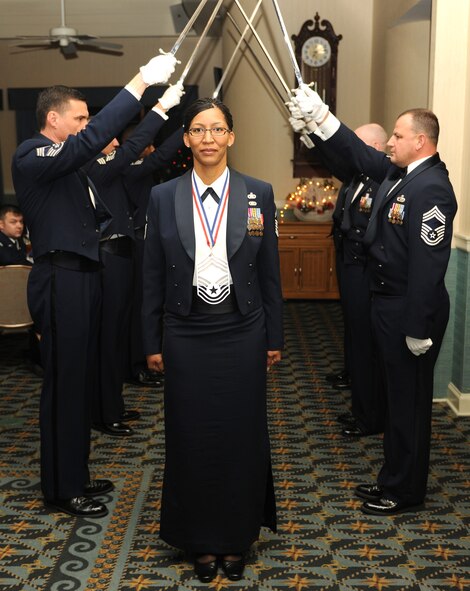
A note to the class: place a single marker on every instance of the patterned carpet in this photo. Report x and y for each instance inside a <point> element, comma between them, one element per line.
<point>324,542</point>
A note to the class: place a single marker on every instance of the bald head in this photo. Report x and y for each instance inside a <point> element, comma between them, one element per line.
<point>373,135</point>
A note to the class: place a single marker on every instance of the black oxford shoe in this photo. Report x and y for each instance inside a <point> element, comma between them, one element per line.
<point>341,385</point>
<point>78,507</point>
<point>369,492</point>
<point>114,429</point>
<point>233,569</point>
<point>130,415</point>
<point>205,571</point>
<point>98,487</point>
<point>337,376</point>
<point>353,430</point>
<point>386,507</point>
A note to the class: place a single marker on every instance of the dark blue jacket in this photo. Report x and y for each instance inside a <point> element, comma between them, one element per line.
<point>50,189</point>
<point>170,250</point>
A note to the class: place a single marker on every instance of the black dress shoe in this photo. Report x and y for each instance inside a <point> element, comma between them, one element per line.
<point>353,430</point>
<point>78,507</point>
<point>205,571</point>
<point>370,492</point>
<point>98,487</point>
<point>384,506</point>
<point>114,429</point>
<point>341,384</point>
<point>346,418</point>
<point>146,377</point>
<point>130,415</point>
<point>337,376</point>
<point>233,569</point>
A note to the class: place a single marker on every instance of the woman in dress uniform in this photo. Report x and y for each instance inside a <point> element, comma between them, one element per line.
<point>212,320</point>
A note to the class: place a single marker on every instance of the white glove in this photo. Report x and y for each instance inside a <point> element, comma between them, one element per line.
<point>298,125</point>
<point>310,104</point>
<point>159,68</point>
<point>305,139</point>
<point>418,346</point>
<point>172,96</point>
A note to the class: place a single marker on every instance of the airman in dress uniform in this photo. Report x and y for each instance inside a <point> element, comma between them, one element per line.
<point>409,241</point>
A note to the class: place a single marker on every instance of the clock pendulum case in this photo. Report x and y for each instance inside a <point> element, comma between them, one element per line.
<point>316,51</point>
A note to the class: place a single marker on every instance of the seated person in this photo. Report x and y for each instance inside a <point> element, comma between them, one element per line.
<point>12,245</point>
<point>13,252</point>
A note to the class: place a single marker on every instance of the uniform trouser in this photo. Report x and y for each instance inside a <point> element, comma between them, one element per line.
<point>367,395</point>
<point>65,306</point>
<point>409,391</point>
<point>116,283</point>
<point>339,277</point>
<point>136,348</point>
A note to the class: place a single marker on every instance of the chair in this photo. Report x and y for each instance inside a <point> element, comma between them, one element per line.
<point>14,313</point>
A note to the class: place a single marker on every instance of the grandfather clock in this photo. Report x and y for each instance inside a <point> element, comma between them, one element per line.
<point>316,51</point>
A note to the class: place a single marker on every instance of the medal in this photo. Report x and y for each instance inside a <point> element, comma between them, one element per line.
<point>212,272</point>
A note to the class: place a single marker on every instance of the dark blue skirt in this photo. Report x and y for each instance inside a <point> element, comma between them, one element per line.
<point>218,488</point>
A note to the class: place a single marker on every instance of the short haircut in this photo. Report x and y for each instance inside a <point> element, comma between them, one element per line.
<point>203,104</point>
<point>55,98</point>
<point>9,208</point>
<point>424,121</point>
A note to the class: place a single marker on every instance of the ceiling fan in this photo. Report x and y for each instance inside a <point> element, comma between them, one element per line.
<point>68,40</point>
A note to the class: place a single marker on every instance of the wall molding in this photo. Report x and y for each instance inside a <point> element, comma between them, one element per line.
<point>458,401</point>
<point>462,242</point>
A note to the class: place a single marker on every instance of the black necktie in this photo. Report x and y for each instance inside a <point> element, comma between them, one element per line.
<point>210,191</point>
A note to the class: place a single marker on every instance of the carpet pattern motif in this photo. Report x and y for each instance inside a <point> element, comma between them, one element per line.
<point>324,541</point>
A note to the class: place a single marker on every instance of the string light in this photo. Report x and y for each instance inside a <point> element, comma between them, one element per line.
<point>311,196</point>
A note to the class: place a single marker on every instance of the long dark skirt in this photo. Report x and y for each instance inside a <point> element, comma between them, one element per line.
<point>218,488</point>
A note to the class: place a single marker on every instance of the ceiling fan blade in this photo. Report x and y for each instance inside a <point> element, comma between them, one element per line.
<point>36,43</point>
<point>98,43</point>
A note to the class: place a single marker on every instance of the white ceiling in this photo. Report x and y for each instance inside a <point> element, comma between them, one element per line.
<point>103,18</point>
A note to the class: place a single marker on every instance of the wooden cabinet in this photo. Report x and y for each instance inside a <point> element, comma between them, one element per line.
<point>307,261</point>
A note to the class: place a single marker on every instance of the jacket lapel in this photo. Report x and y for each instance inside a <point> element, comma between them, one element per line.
<point>237,214</point>
<point>184,214</point>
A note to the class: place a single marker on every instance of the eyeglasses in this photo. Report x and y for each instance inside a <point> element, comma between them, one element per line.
<point>201,131</point>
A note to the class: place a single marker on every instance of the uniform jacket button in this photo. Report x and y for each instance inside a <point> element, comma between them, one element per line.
<point>248,283</point>
<point>178,303</point>
<point>249,302</point>
<point>83,243</point>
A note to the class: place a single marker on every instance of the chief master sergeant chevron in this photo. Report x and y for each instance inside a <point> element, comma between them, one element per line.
<point>409,241</point>
<point>64,216</point>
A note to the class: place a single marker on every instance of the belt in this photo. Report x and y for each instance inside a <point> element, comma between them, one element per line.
<point>68,260</point>
<point>227,306</point>
<point>121,246</point>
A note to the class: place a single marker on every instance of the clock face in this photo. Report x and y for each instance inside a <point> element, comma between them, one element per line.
<point>316,51</point>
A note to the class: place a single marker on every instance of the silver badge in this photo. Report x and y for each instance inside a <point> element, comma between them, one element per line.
<point>252,203</point>
<point>401,199</point>
<point>251,196</point>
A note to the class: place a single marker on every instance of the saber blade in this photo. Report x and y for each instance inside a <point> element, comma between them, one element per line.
<point>290,50</point>
<point>265,51</point>
<point>257,60</point>
<point>187,28</point>
<point>200,40</point>
<point>235,51</point>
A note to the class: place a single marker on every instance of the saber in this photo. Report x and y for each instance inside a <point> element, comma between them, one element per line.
<point>297,72</point>
<point>258,63</point>
<point>187,28</point>
<point>201,39</point>
<point>242,38</point>
<point>278,74</point>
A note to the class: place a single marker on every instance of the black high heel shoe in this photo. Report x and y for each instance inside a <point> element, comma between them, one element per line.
<point>205,571</point>
<point>233,569</point>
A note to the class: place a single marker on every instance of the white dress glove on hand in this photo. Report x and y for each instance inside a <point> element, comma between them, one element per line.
<point>172,96</point>
<point>310,104</point>
<point>159,69</point>
<point>418,346</point>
